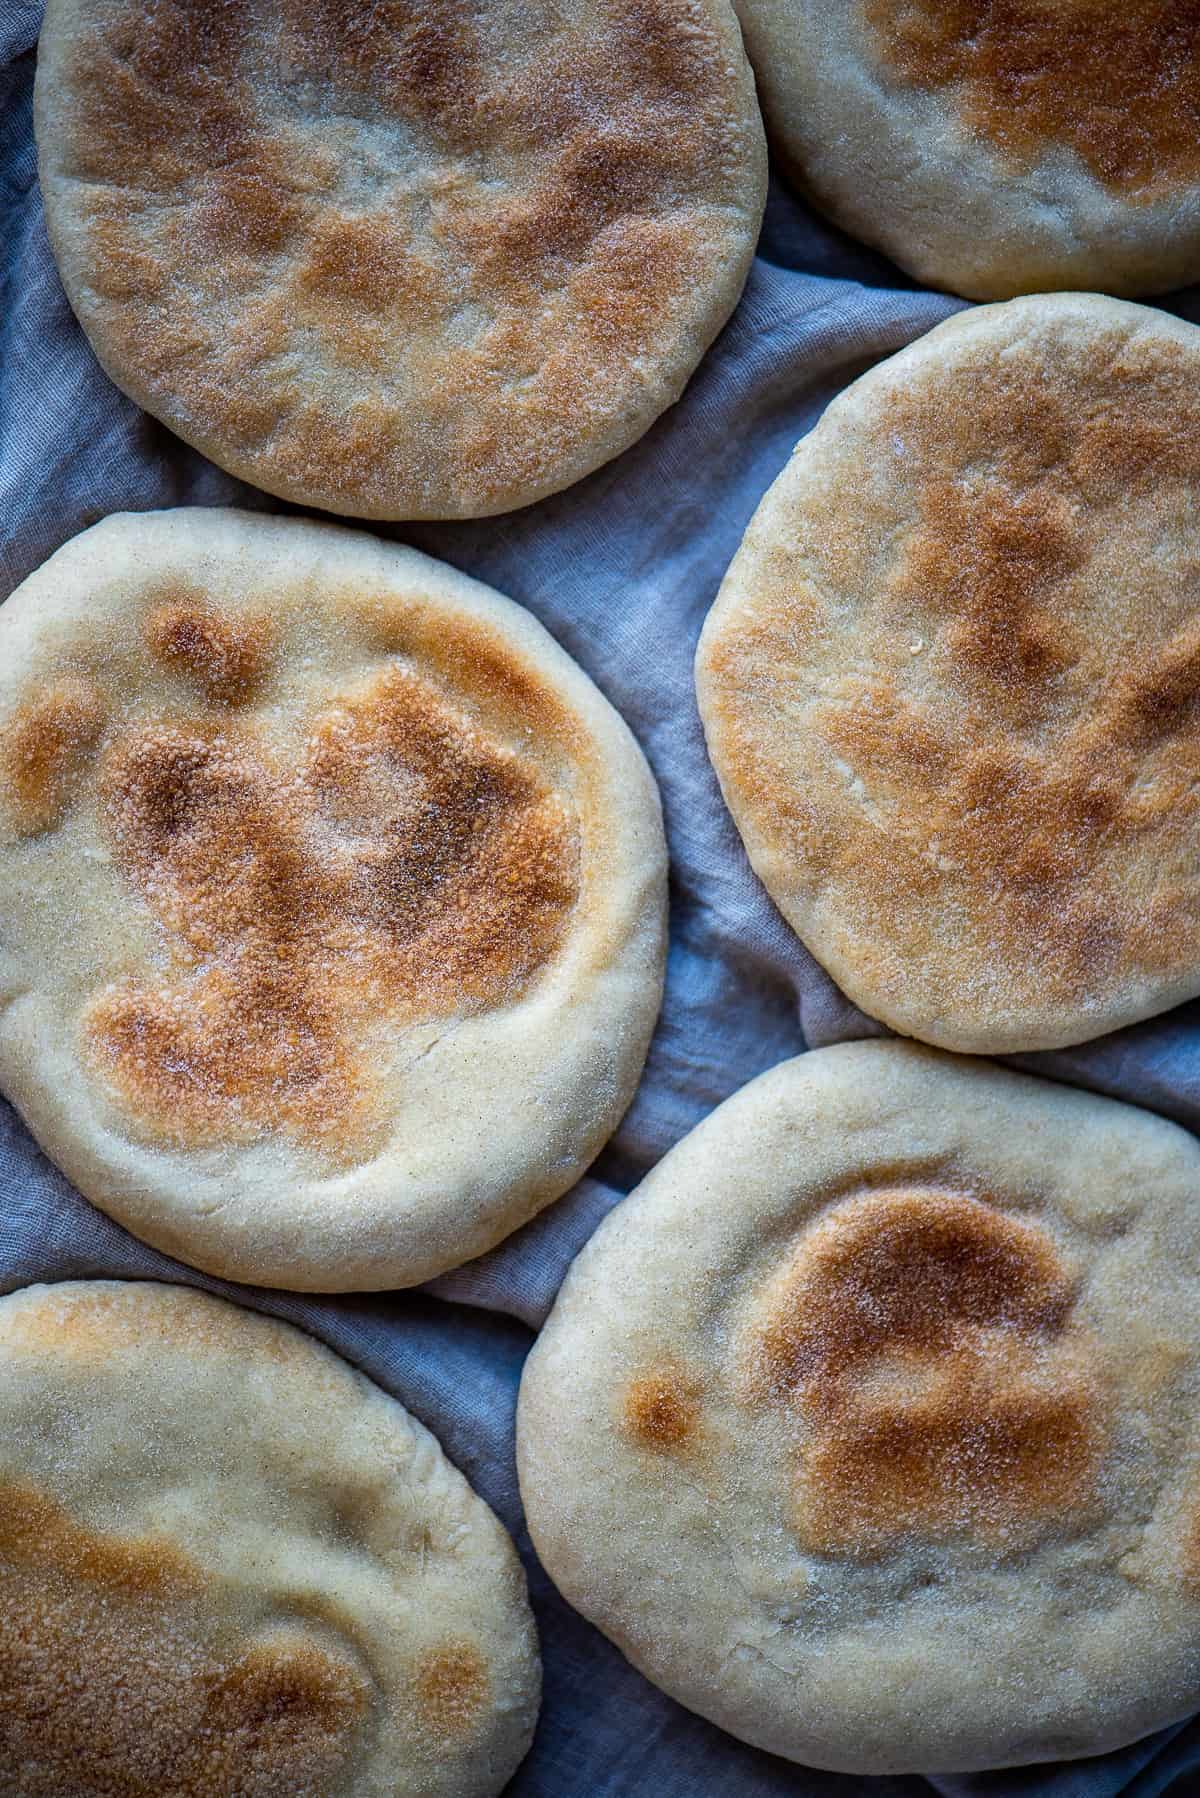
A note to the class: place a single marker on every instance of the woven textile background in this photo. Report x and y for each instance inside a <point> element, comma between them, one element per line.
<point>622,569</point>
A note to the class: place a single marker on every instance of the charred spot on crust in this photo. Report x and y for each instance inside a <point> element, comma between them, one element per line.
<point>662,1409</point>
<point>1120,87</point>
<point>452,1687</point>
<point>44,749</point>
<point>925,1338</point>
<point>224,657</point>
<point>412,867</point>
<point>116,1676</point>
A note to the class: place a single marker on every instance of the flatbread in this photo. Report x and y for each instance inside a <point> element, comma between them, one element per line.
<point>994,147</point>
<point>869,1426</point>
<point>332,897</point>
<point>401,260</point>
<point>231,1567</point>
<point>951,684</point>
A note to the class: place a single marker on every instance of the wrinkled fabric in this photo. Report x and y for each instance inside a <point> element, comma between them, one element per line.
<point>622,569</point>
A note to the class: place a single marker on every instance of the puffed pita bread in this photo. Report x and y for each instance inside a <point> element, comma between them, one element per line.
<point>951,683</point>
<point>332,897</point>
<point>231,1567</point>
<point>994,147</point>
<point>410,259</point>
<point>869,1426</point>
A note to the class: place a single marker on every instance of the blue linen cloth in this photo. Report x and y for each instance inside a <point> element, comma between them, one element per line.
<point>622,569</point>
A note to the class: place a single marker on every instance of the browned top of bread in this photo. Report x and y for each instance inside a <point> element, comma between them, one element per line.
<point>327,870</point>
<point>868,1425</point>
<point>995,147</point>
<point>928,1343</point>
<point>206,1715</point>
<point>400,260</point>
<point>952,683</point>
<point>409,864</point>
<point>1119,86</point>
<point>250,1574</point>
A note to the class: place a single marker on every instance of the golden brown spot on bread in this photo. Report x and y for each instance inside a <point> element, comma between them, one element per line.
<point>459,848</point>
<point>412,868</point>
<point>124,273</point>
<point>225,657</point>
<point>422,58</point>
<point>907,1270</point>
<point>37,1532</point>
<point>120,1676</point>
<point>95,1323</point>
<point>167,93</point>
<point>1118,86</point>
<point>367,262</point>
<point>1163,699</point>
<point>1022,826</point>
<point>44,749</point>
<point>990,550</point>
<point>452,1686</point>
<point>475,658</point>
<point>969,1458</point>
<point>284,1701</point>
<point>1190,1542</point>
<point>662,1409</point>
<point>926,1339</point>
<point>245,211</point>
<point>596,181</point>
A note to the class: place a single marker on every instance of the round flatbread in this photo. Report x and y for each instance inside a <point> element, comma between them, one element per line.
<point>332,898</point>
<point>994,147</point>
<point>869,1426</point>
<point>401,260</point>
<point>951,684</point>
<point>231,1567</point>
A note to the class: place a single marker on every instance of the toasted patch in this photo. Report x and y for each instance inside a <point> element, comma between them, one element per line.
<point>411,867</point>
<point>114,1678</point>
<point>452,1688</point>
<point>225,658</point>
<point>45,748</point>
<point>662,1409</point>
<point>922,1335</point>
<point>204,1596</point>
<point>1119,88</point>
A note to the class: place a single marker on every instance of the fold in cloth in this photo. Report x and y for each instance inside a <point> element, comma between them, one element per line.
<point>622,569</point>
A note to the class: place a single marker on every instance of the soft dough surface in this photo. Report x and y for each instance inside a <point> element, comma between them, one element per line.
<point>994,147</point>
<point>869,1425</point>
<point>230,1567</point>
<point>401,260</point>
<point>951,683</point>
<point>331,897</point>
